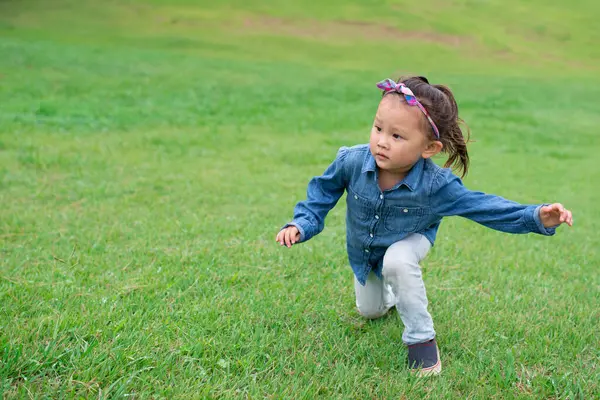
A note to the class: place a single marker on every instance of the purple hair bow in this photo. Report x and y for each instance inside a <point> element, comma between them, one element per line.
<point>389,85</point>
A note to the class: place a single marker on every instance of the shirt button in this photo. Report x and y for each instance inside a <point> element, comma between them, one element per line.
<point>355,197</point>
<point>370,234</point>
<point>377,217</point>
<point>381,196</point>
<point>366,250</point>
<point>405,210</point>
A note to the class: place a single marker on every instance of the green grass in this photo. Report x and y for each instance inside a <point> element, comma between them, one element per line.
<point>149,152</point>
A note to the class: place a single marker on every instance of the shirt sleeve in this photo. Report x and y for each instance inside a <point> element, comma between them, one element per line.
<point>452,198</point>
<point>322,195</point>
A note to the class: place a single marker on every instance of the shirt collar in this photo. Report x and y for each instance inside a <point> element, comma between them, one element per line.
<point>410,180</point>
<point>369,164</point>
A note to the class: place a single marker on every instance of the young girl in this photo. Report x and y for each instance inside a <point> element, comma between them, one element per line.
<point>397,197</point>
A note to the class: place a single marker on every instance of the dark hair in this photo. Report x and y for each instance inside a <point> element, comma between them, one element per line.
<point>439,102</point>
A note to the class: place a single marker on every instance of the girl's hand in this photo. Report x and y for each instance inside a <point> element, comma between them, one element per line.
<point>288,236</point>
<point>555,214</point>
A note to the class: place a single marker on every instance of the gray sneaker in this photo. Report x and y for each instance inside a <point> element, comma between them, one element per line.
<point>424,358</point>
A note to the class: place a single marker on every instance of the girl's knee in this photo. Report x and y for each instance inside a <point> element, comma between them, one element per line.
<point>371,312</point>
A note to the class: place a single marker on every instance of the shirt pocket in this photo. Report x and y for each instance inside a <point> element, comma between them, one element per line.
<point>358,206</point>
<point>403,219</point>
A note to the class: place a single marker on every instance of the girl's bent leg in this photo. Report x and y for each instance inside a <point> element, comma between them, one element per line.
<point>402,272</point>
<point>374,299</point>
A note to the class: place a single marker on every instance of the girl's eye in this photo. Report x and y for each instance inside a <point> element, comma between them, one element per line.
<point>396,136</point>
<point>378,129</point>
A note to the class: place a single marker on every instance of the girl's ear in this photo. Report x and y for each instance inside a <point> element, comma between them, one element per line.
<point>434,147</point>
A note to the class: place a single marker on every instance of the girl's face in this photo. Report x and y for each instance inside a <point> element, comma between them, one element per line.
<point>398,137</point>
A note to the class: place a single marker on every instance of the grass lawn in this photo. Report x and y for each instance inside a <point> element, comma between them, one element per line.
<point>151,150</point>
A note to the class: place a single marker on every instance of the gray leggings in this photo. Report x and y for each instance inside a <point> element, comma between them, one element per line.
<point>402,286</point>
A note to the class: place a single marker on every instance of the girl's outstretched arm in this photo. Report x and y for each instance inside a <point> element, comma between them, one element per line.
<point>450,197</point>
<point>322,195</point>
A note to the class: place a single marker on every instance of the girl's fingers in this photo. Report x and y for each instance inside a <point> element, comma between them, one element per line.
<point>567,215</point>
<point>288,237</point>
<point>281,237</point>
<point>294,236</point>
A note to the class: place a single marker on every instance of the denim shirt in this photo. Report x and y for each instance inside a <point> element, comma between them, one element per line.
<point>376,219</point>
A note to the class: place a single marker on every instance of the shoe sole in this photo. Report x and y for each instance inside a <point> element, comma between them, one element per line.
<point>431,371</point>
